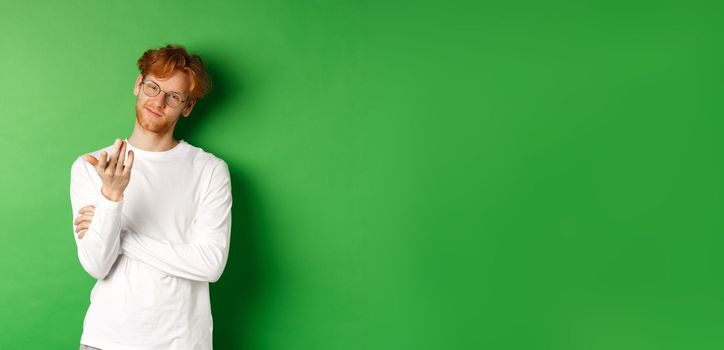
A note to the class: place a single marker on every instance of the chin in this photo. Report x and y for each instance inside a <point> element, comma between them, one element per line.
<point>152,124</point>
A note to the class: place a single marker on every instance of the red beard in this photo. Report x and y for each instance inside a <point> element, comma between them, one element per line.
<point>153,123</point>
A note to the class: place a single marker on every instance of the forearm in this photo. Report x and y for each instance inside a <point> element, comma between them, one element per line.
<point>197,260</point>
<point>100,247</point>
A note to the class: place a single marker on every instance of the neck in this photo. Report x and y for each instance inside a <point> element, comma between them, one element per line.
<point>150,141</point>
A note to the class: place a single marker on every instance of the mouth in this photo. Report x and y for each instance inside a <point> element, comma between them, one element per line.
<point>155,114</point>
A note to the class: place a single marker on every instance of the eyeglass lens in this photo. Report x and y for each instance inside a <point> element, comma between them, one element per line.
<point>151,89</point>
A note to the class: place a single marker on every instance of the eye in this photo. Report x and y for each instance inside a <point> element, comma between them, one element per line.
<point>175,97</point>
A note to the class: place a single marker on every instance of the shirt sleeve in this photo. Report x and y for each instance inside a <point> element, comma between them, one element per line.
<point>203,258</point>
<point>100,247</point>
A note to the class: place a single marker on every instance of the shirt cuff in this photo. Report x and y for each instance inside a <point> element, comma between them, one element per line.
<point>107,204</point>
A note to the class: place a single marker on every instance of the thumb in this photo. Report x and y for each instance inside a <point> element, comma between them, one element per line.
<point>90,159</point>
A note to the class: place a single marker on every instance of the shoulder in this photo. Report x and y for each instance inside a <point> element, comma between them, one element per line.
<point>214,169</point>
<point>206,159</point>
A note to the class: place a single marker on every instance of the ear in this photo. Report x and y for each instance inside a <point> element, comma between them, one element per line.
<point>137,87</point>
<point>187,109</point>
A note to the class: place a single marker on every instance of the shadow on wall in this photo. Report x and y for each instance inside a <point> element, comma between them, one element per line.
<point>236,294</point>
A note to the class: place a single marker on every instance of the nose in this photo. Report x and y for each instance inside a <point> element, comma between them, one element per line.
<point>160,99</point>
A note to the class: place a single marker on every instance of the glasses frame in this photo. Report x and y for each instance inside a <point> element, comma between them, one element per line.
<point>165,96</point>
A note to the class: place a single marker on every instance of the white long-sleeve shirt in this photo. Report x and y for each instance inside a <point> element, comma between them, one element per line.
<point>154,252</point>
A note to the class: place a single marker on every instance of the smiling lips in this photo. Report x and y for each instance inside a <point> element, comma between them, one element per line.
<point>155,114</point>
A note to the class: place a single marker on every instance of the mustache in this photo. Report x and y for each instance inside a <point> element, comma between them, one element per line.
<point>154,109</point>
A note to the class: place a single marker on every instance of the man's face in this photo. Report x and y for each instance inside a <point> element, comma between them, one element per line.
<point>153,113</point>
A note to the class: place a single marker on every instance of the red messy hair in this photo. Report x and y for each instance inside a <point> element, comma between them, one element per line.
<point>165,61</point>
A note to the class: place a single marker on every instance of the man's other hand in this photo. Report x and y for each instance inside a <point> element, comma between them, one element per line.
<point>85,216</point>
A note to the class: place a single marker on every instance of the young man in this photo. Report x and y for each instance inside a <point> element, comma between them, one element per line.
<point>153,219</point>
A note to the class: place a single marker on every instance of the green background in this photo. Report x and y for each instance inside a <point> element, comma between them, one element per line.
<point>406,174</point>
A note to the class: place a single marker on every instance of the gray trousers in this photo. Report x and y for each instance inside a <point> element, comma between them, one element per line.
<point>86,347</point>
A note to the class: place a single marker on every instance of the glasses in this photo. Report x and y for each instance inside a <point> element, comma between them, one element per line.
<point>151,89</point>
